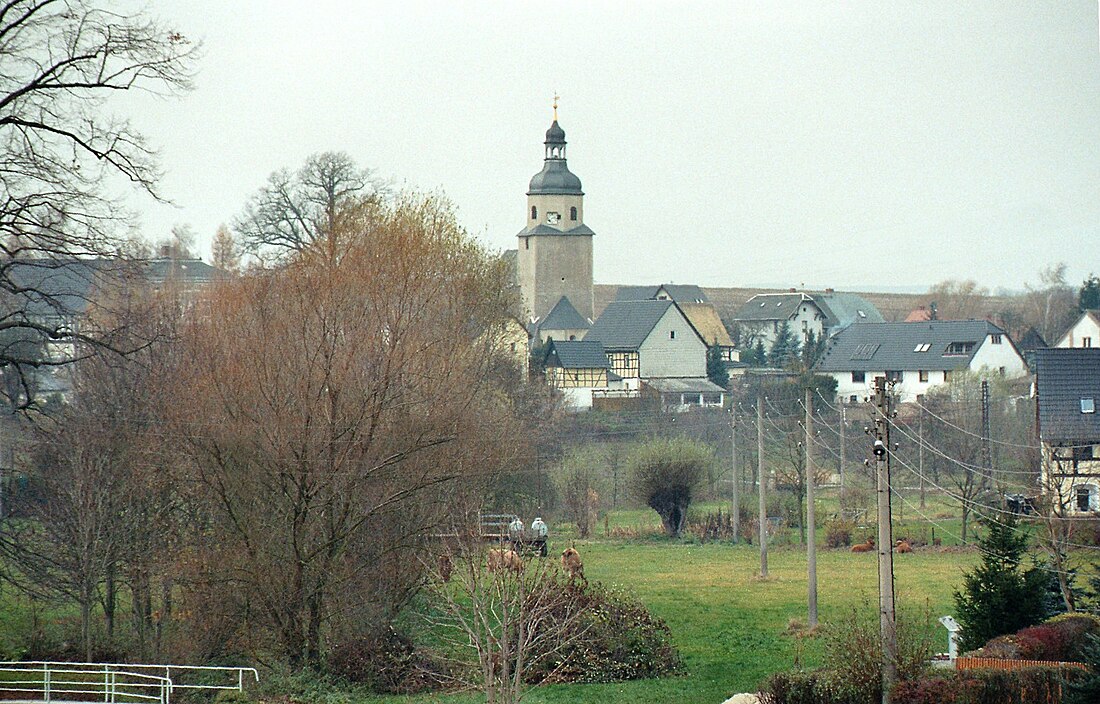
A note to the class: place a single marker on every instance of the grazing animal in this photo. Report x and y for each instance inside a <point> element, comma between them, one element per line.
<point>937,541</point>
<point>509,560</point>
<point>864,547</point>
<point>903,546</point>
<point>571,563</point>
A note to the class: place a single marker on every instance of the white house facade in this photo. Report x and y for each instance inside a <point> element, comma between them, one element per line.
<point>916,356</point>
<point>1083,333</point>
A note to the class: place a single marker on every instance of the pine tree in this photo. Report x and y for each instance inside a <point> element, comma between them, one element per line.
<point>1088,297</point>
<point>785,348</point>
<point>1087,690</point>
<point>998,597</point>
<point>716,367</point>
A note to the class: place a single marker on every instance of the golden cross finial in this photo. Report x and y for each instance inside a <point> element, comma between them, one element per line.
<point>556,106</point>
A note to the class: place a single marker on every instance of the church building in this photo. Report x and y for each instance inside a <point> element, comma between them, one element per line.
<point>554,260</point>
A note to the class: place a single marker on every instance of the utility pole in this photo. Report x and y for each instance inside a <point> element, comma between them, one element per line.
<point>811,530</point>
<point>920,448</point>
<point>987,455</point>
<point>843,448</point>
<point>736,509</point>
<point>761,488</point>
<point>887,621</point>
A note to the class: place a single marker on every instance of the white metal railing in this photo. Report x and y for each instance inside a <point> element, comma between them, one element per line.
<point>115,683</point>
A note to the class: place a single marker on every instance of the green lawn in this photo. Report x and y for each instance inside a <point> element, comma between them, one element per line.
<point>728,624</point>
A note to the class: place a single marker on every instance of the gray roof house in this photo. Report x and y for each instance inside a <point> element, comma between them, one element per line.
<point>652,341</point>
<point>915,356</point>
<point>1067,390</point>
<point>681,293</point>
<point>822,314</point>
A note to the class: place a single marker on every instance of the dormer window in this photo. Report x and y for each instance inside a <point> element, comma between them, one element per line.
<point>959,348</point>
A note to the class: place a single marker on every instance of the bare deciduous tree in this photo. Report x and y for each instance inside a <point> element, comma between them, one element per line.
<point>338,396</point>
<point>59,61</point>
<point>298,211</point>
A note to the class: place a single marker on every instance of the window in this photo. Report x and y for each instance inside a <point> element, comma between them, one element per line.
<point>861,314</point>
<point>1084,497</point>
<point>853,398</point>
<point>946,376</point>
<point>573,213</point>
<point>859,377</point>
<point>923,347</point>
<point>1088,405</point>
<point>527,243</point>
<point>513,347</point>
<point>1002,371</point>
<point>1086,342</point>
<point>893,376</point>
<point>534,213</point>
<point>923,375</point>
<point>995,339</point>
<point>1082,453</point>
<point>956,348</point>
<point>672,334</point>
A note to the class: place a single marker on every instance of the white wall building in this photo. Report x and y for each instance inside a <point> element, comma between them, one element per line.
<point>916,356</point>
<point>1084,333</point>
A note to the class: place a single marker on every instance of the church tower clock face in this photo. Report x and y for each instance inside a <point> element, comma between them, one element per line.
<point>552,218</point>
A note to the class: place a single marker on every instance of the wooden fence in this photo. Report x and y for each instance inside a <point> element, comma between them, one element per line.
<point>964,663</point>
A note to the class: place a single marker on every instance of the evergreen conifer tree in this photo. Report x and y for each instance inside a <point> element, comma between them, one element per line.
<point>1087,690</point>
<point>998,597</point>
<point>716,367</point>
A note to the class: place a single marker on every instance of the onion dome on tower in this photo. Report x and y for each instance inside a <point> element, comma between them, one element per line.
<point>555,177</point>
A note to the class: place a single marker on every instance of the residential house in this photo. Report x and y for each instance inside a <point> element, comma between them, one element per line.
<point>563,322</point>
<point>696,306</point>
<point>653,342</point>
<point>821,315</point>
<point>915,356</point>
<point>1083,333</point>
<point>577,369</point>
<point>1067,389</point>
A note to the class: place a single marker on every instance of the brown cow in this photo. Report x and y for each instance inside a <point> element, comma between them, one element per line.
<point>903,546</point>
<point>501,559</point>
<point>864,547</point>
<point>572,565</point>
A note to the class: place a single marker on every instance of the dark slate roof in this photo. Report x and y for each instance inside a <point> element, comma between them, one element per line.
<point>66,288</point>
<point>892,346</point>
<point>843,309</point>
<point>771,306</point>
<point>563,316</point>
<point>576,354</point>
<point>626,324</point>
<point>681,293</point>
<point>1064,376</point>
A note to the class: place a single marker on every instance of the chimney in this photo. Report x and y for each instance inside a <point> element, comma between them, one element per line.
<point>793,289</point>
<point>829,290</point>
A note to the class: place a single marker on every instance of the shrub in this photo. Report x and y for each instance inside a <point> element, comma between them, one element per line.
<point>615,639</point>
<point>818,687</point>
<point>1026,686</point>
<point>386,662</point>
<point>1043,642</point>
<point>928,690</point>
<point>1075,629</point>
<point>838,533</point>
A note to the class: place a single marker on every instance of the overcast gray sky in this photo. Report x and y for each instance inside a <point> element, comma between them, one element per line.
<point>719,143</point>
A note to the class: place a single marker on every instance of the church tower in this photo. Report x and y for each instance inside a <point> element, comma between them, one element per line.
<point>555,247</point>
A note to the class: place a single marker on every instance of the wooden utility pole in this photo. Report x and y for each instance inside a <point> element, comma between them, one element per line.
<point>735,510</point>
<point>761,487</point>
<point>887,620</point>
<point>920,448</point>
<point>843,448</point>
<point>811,518</point>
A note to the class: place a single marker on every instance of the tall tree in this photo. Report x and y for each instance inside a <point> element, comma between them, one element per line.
<point>298,211</point>
<point>665,475</point>
<point>60,60</point>
<point>1088,296</point>
<point>716,367</point>
<point>224,250</point>
<point>327,457</point>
